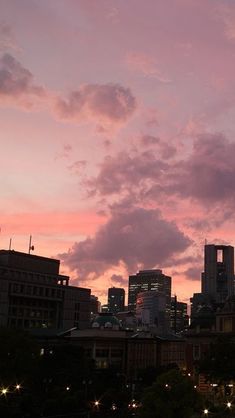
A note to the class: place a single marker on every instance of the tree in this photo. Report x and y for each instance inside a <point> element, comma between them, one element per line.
<point>171,396</point>
<point>219,363</point>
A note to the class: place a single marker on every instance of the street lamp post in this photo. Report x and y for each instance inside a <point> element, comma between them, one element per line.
<point>86,384</point>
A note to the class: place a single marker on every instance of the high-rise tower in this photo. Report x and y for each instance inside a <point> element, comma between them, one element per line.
<point>218,275</point>
<point>116,299</point>
<point>147,280</point>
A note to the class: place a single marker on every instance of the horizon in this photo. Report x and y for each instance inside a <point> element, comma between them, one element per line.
<point>117,135</point>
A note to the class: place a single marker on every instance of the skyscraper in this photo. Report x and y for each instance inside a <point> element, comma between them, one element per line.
<point>151,311</point>
<point>149,280</point>
<point>116,299</point>
<point>179,315</point>
<point>218,275</point>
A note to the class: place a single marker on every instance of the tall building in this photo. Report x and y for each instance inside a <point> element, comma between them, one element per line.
<point>34,295</point>
<point>95,306</point>
<point>218,275</point>
<point>179,315</point>
<point>116,299</point>
<point>146,280</point>
<point>151,311</point>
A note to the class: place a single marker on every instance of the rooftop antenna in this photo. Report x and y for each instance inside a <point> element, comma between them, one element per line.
<point>31,247</point>
<point>10,244</point>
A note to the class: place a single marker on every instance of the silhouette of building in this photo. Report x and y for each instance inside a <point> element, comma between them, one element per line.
<point>151,311</point>
<point>34,295</point>
<point>146,280</point>
<point>116,299</point>
<point>95,306</point>
<point>218,275</point>
<point>179,315</point>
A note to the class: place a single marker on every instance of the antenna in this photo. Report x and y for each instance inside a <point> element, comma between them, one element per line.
<point>10,244</point>
<point>31,247</point>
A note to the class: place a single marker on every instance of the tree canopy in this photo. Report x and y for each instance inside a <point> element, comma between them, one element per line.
<point>172,396</point>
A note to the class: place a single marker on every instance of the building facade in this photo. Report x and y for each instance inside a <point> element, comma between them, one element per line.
<point>218,275</point>
<point>116,299</point>
<point>146,280</point>
<point>179,315</point>
<point>34,295</point>
<point>151,311</point>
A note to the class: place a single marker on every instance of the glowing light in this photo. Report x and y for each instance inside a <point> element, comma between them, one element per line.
<point>229,404</point>
<point>96,403</point>
<point>18,387</point>
<point>206,411</point>
<point>4,391</point>
<point>67,388</point>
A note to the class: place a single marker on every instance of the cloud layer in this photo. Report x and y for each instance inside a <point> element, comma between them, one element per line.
<point>137,237</point>
<point>17,83</point>
<point>207,174</point>
<point>106,104</point>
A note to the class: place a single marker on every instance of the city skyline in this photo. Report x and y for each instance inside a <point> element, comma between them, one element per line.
<point>117,135</point>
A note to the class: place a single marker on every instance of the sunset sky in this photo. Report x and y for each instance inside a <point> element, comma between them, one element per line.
<point>118,135</point>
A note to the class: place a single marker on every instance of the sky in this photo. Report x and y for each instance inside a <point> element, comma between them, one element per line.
<point>117,135</point>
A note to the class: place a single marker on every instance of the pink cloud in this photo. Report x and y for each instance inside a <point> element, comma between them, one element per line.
<point>226,13</point>
<point>17,84</point>
<point>7,39</point>
<point>77,167</point>
<point>125,171</point>
<point>165,149</point>
<point>105,104</point>
<point>146,65</point>
<point>117,279</point>
<point>208,174</point>
<point>137,237</point>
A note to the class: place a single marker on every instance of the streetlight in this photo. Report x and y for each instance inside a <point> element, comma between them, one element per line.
<point>229,404</point>
<point>205,412</point>
<point>4,391</point>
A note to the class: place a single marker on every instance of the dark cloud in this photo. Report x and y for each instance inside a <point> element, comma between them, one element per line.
<point>137,237</point>
<point>16,81</point>
<point>104,103</point>
<point>165,149</point>
<point>209,172</point>
<point>117,279</point>
<point>125,171</point>
<point>206,175</point>
<point>149,140</point>
<point>7,40</point>
<point>193,273</point>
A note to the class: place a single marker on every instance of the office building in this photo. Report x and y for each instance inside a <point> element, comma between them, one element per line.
<point>116,299</point>
<point>218,275</point>
<point>146,280</point>
<point>95,306</point>
<point>34,295</point>
<point>151,311</point>
<point>179,315</point>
